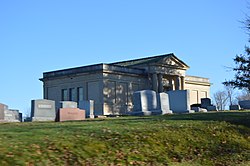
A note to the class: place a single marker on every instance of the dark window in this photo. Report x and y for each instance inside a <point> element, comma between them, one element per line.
<point>72,94</point>
<point>64,94</point>
<point>80,94</point>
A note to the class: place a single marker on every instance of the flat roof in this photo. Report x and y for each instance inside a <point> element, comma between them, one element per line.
<point>122,66</point>
<point>91,68</point>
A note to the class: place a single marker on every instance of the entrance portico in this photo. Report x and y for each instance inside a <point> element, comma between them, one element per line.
<point>163,82</point>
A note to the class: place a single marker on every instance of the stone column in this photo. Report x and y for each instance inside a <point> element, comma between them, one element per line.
<point>170,80</point>
<point>182,83</point>
<point>160,85</point>
<point>177,83</point>
<point>155,82</point>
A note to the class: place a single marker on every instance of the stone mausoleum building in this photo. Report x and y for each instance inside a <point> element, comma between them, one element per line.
<point>111,86</point>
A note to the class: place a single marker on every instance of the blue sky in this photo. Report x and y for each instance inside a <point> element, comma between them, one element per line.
<point>44,35</point>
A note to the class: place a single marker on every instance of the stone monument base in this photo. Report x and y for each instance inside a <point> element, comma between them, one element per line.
<point>41,119</point>
<point>234,107</point>
<point>7,121</point>
<point>141,113</point>
<point>198,109</point>
<point>71,114</point>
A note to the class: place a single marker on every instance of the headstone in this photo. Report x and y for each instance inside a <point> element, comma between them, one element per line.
<point>205,102</point>
<point>68,104</point>
<point>3,107</point>
<point>8,115</point>
<point>211,108</point>
<point>179,101</point>
<point>244,104</point>
<point>145,103</point>
<point>43,110</point>
<point>11,115</point>
<point>71,114</point>
<point>88,106</point>
<point>234,107</point>
<point>20,116</point>
<point>198,109</point>
<point>27,119</point>
<point>163,103</point>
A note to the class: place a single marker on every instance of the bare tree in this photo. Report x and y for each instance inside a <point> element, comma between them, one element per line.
<point>231,95</point>
<point>221,98</point>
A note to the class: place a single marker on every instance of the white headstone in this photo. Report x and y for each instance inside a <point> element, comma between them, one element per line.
<point>145,103</point>
<point>163,103</point>
<point>68,104</point>
<point>179,101</point>
<point>9,115</point>
<point>198,109</point>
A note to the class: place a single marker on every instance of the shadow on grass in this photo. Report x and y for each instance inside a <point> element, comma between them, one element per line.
<point>237,118</point>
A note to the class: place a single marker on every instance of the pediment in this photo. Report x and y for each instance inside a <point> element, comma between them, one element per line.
<point>172,61</point>
<point>166,60</point>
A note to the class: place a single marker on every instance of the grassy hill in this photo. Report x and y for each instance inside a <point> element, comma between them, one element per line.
<point>221,138</point>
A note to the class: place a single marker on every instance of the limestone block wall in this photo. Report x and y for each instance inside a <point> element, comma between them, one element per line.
<point>79,87</point>
<point>112,92</point>
<point>118,91</point>
<point>199,88</point>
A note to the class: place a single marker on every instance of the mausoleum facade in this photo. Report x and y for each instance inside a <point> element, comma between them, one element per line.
<point>111,86</point>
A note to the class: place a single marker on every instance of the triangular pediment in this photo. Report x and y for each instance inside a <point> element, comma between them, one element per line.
<point>169,60</point>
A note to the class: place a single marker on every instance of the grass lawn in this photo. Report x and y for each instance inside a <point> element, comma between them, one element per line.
<point>218,138</point>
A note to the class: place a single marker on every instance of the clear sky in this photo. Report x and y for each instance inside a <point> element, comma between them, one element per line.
<point>44,35</point>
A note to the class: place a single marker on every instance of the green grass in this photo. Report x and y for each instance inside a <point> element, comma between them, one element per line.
<point>221,138</point>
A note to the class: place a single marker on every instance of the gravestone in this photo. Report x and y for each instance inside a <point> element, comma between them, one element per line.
<point>20,116</point>
<point>234,107</point>
<point>88,106</point>
<point>205,102</point>
<point>8,115</point>
<point>179,101</point>
<point>68,104</point>
<point>145,103</point>
<point>3,107</point>
<point>11,115</point>
<point>43,110</point>
<point>71,114</point>
<point>244,104</point>
<point>198,109</point>
<point>211,108</point>
<point>163,103</point>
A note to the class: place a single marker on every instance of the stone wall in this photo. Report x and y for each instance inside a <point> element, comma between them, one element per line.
<point>92,85</point>
<point>111,91</point>
<point>118,91</point>
<point>199,88</point>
